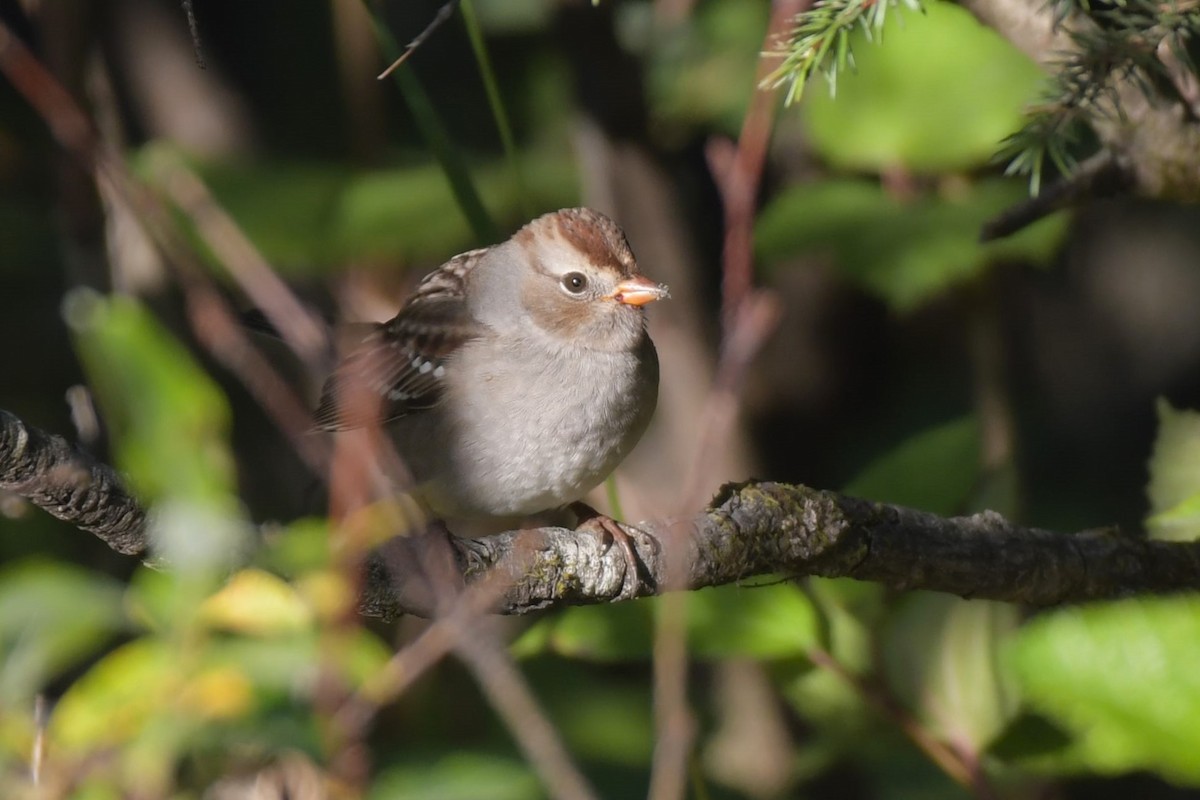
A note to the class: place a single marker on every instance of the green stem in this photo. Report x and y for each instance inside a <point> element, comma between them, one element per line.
<point>436,136</point>
<point>475,33</point>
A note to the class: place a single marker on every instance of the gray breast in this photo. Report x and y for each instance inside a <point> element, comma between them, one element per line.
<point>544,430</point>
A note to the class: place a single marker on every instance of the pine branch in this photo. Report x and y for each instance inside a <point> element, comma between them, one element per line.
<point>820,42</point>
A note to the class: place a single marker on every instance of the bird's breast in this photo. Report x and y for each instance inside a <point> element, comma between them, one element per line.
<point>544,430</point>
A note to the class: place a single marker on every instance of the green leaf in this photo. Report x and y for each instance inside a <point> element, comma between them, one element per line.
<point>461,776</point>
<point>940,94</point>
<point>1122,677</point>
<point>769,622</point>
<point>116,700</point>
<point>1174,488</point>
<point>701,73</point>
<point>765,622</point>
<point>935,470</point>
<point>906,252</point>
<point>1032,741</point>
<point>941,657</point>
<point>51,617</point>
<point>619,632</point>
<point>603,717</point>
<point>170,421</point>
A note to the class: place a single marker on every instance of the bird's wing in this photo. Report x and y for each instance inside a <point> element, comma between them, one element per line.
<point>400,366</point>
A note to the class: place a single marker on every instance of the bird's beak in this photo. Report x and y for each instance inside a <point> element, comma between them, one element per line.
<point>638,291</point>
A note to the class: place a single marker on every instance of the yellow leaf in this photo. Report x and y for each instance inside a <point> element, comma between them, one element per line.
<point>257,603</point>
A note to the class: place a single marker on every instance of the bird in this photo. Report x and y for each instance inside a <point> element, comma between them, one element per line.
<point>516,377</point>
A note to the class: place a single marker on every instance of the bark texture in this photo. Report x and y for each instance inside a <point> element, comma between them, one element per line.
<point>749,529</point>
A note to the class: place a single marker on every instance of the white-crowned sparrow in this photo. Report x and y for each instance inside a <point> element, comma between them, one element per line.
<point>517,376</point>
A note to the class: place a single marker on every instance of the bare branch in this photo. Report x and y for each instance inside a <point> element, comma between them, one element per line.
<point>69,484</point>
<point>755,528</point>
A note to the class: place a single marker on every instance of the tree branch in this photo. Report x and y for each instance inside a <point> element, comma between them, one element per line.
<point>755,528</point>
<point>68,483</point>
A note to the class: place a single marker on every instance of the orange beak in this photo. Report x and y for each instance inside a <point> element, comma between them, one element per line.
<point>638,291</point>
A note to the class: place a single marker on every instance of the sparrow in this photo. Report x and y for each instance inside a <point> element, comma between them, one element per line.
<point>516,377</point>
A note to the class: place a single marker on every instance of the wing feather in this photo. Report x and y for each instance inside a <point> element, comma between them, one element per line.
<point>401,365</point>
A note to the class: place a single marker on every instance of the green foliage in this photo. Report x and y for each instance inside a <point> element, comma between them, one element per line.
<point>934,470</point>
<point>51,617</point>
<point>238,649</point>
<point>219,654</point>
<point>907,252</point>
<point>1121,677</point>
<point>1115,44</point>
<point>307,218</point>
<point>698,73</point>
<point>169,419</point>
<point>942,658</point>
<point>460,776</point>
<point>768,622</point>
<point>936,98</point>
<point>1174,488</point>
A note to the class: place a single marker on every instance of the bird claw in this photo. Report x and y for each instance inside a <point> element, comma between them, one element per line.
<point>610,533</point>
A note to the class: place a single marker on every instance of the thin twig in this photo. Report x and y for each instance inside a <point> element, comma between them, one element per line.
<point>511,697</point>
<point>1102,175</point>
<point>748,319</point>
<point>296,324</point>
<point>945,757</point>
<point>194,29</point>
<point>738,177</point>
<point>444,13</point>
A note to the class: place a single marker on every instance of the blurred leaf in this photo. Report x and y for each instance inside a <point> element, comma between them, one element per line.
<point>907,252</point>
<point>702,71</point>
<point>298,547</point>
<point>216,693</point>
<point>171,428</point>
<point>934,470</point>
<point>170,421</point>
<point>618,632</point>
<point>939,95</point>
<point>117,698</point>
<point>461,776</point>
<point>1122,676</point>
<point>51,617</point>
<point>900,772</point>
<point>1174,487</point>
<point>1031,740</point>
<point>941,658</point>
<point>514,16</point>
<point>776,621</point>
<point>307,217</point>
<point>256,603</point>
<point>602,720</point>
<point>281,665</point>
<point>767,622</point>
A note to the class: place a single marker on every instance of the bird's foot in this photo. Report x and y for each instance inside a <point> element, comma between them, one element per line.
<point>611,532</point>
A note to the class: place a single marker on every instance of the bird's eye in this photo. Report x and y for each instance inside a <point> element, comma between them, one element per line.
<point>574,282</point>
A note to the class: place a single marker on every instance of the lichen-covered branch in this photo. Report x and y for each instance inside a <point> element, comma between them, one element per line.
<point>70,484</point>
<point>749,529</point>
<point>762,527</point>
